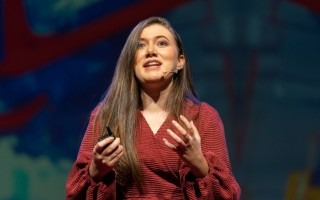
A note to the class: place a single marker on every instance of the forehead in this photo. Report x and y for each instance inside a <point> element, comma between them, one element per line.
<point>156,30</point>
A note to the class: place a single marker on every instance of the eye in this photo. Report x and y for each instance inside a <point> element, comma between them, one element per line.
<point>163,43</point>
<point>141,45</point>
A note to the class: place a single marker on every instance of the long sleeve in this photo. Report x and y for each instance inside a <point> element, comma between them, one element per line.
<point>220,182</point>
<point>79,183</point>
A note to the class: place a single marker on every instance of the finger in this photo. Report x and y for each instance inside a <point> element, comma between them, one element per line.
<point>195,130</point>
<point>179,127</point>
<point>112,162</point>
<point>116,159</point>
<point>110,159</point>
<point>100,146</point>
<point>115,154</point>
<point>187,124</point>
<point>184,133</point>
<point>176,138</point>
<point>171,146</point>
<point>111,147</point>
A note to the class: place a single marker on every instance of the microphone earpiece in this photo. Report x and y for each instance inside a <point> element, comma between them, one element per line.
<point>165,74</point>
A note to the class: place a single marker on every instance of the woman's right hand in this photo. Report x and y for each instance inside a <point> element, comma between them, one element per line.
<point>106,154</point>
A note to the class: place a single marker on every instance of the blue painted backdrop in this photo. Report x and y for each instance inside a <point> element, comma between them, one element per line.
<point>256,62</point>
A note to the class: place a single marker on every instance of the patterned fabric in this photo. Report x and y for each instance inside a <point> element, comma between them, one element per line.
<point>165,174</point>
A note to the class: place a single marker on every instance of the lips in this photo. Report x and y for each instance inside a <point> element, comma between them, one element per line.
<point>152,63</point>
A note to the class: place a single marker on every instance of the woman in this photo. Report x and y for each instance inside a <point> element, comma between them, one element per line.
<point>166,144</point>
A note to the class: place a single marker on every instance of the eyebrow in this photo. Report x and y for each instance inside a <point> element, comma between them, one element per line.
<point>157,37</point>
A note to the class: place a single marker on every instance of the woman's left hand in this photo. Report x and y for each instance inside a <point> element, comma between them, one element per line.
<point>188,147</point>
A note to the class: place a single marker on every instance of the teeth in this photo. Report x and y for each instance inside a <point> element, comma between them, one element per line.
<point>152,63</point>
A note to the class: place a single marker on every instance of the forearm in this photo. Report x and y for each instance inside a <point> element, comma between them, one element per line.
<point>200,168</point>
<point>81,186</point>
<point>219,183</point>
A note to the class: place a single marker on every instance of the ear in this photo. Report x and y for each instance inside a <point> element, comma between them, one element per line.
<point>181,62</point>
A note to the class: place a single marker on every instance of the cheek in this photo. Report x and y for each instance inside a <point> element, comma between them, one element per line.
<point>171,54</point>
<point>137,74</point>
<point>137,62</point>
<point>139,56</point>
<point>137,71</point>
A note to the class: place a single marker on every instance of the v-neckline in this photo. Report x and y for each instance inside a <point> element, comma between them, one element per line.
<point>149,127</point>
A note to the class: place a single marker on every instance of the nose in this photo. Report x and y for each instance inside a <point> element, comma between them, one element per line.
<point>151,51</point>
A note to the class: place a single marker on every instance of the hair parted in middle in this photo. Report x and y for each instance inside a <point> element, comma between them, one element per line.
<point>123,98</point>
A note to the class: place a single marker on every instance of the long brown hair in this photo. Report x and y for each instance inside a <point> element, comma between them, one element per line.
<point>122,99</point>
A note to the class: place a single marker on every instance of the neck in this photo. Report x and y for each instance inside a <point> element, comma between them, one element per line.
<point>154,100</point>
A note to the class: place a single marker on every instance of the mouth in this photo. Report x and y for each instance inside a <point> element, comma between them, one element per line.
<point>152,63</point>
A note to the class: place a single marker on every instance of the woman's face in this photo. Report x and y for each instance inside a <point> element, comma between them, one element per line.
<point>157,56</point>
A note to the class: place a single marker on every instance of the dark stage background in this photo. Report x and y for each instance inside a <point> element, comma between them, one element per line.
<point>256,61</point>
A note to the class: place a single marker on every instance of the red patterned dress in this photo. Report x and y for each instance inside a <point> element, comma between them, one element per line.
<point>165,174</point>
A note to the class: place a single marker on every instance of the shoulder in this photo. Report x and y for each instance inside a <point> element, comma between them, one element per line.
<point>200,106</point>
<point>202,110</point>
<point>94,115</point>
<point>96,109</point>
<point>209,114</point>
<point>207,109</point>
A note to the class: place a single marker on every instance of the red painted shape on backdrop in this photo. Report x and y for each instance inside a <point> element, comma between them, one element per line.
<point>313,5</point>
<point>26,52</point>
<point>20,116</point>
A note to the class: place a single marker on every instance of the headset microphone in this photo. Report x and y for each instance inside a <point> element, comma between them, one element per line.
<point>165,74</point>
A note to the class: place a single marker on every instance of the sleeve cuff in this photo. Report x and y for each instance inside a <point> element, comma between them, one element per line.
<point>107,182</point>
<point>187,176</point>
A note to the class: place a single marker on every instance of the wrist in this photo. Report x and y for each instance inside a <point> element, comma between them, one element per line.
<point>95,173</point>
<point>202,169</point>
